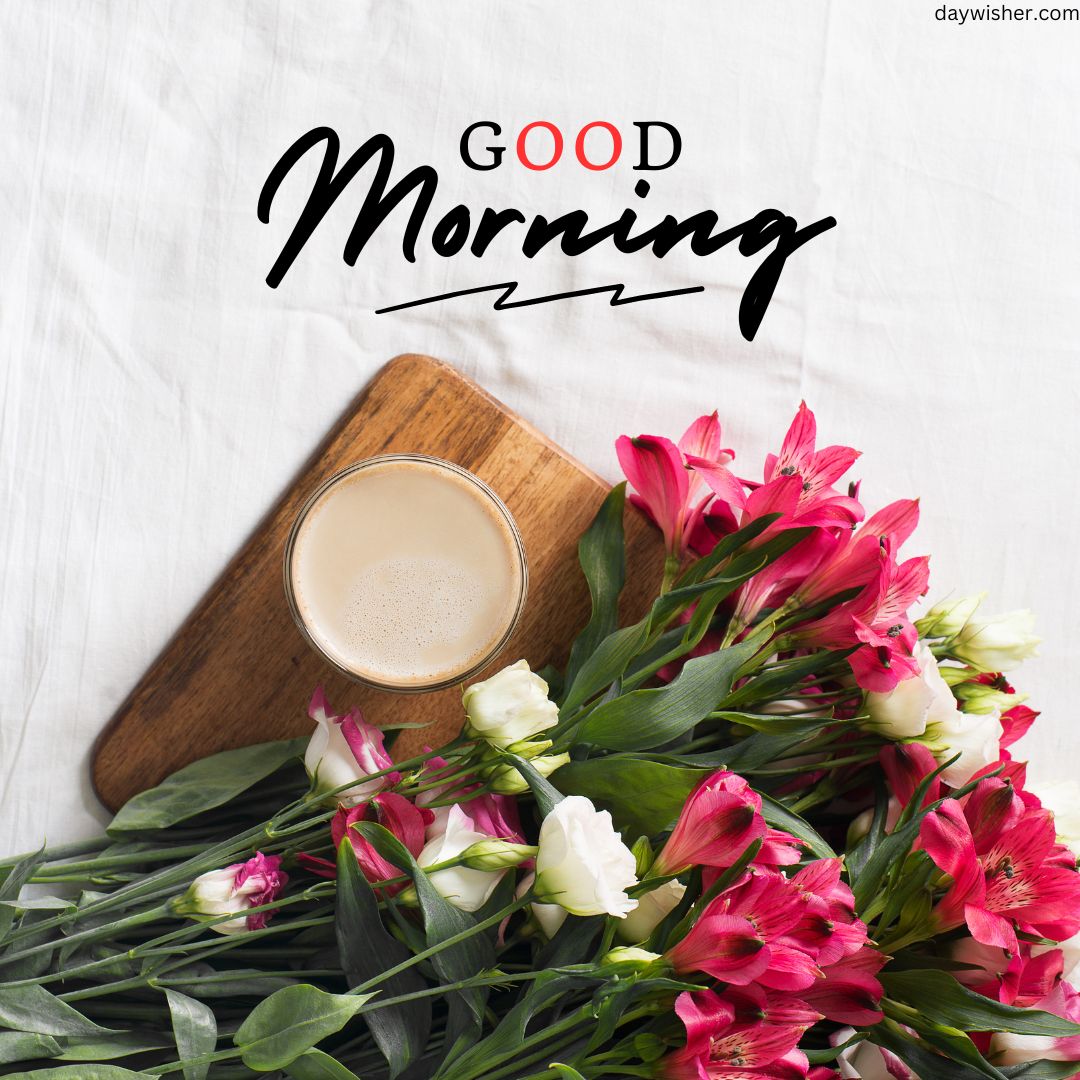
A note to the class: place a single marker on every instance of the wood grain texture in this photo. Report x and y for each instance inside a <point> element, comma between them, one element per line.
<point>238,670</point>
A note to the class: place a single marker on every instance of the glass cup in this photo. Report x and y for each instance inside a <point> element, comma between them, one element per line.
<point>495,526</point>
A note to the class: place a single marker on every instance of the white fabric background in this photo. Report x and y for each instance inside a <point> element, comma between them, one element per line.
<point>157,395</point>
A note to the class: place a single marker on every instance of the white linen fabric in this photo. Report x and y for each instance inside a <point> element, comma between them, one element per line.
<point>157,395</point>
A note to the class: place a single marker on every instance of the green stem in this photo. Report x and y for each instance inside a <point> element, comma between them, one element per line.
<point>63,851</point>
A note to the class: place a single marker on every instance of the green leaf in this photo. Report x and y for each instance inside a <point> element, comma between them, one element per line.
<point>195,1030</point>
<point>1041,1070</point>
<point>914,1053</point>
<point>366,950</point>
<point>204,785</point>
<point>726,548</point>
<point>278,1030</point>
<point>644,797</point>
<point>780,817</point>
<point>941,999</point>
<point>502,1043</point>
<point>777,681</point>
<point>106,1047</point>
<point>894,848</point>
<point>604,666</point>
<point>33,1008</point>
<point>442,921</point>
<point>647,718</point>
<point>11,885</point>
<point>602,554</point>
<point>82,1072</point>
<point>26,1046</point>
<point>315,1065</point>
<point>567,1072</point>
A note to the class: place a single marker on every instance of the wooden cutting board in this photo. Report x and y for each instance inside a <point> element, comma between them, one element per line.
<point>238,670</point>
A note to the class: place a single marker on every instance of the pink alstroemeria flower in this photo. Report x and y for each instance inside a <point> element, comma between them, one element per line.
<point>1007,869</point>
<point>719,820</point>
<point>344,749</point>
<point>875,624</point>
<point>852,559</point>
<point>1021,978</point>
<point>763,929</point>
<point>798,482</point>
<point>850,992</point>
<point>674,499</point>
<point>747,1034</point>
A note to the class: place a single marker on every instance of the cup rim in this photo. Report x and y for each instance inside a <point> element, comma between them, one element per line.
<point>366,680</point>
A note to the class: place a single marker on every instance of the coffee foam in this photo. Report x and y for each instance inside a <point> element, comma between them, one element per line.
<point>406,573</point>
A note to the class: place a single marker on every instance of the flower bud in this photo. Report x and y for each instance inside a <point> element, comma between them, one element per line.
<point>495,855</point>
<point>344,749</point>
<point>643,855</point>
<point>947,619</point>
<point>977,698</point>
<point>530,748</point>
<point>234,890</point>
<point>510,706</point>
<point>997,642</point>
<point>626,954</point>
<point>506,780</point>
<point>653,907</point>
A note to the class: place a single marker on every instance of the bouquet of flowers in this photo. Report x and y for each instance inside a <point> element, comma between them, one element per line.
<point>772,829</point>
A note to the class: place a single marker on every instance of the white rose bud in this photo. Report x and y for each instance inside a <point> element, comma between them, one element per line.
<point>465,888</point>
<point>506,780</point>
<point>905,712</point>
<point>510,706</point>
<point>653,907</point>
<point>997,642</point>
<point>948,618</point>
<point>582,864</point>
<point>639,958</point>
<point>496,855</point>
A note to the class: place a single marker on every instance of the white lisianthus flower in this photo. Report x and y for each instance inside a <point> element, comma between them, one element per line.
<point>905,711</point>
<point>653,907</point>
<point>1063,798</point>
<point>344,749</point>
<point>235,890</point>
<point>923,708</point>
<point>510,706</point>
<point>997,642</point>
<point>465,888</point>
<point>975,737</point>
<point>1007,1048</point>
<point>549,917</point>
<point>582,864</point>
<point>866,1061</point>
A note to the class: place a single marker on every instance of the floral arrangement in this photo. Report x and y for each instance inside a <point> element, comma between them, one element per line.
<point>772,829</point>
